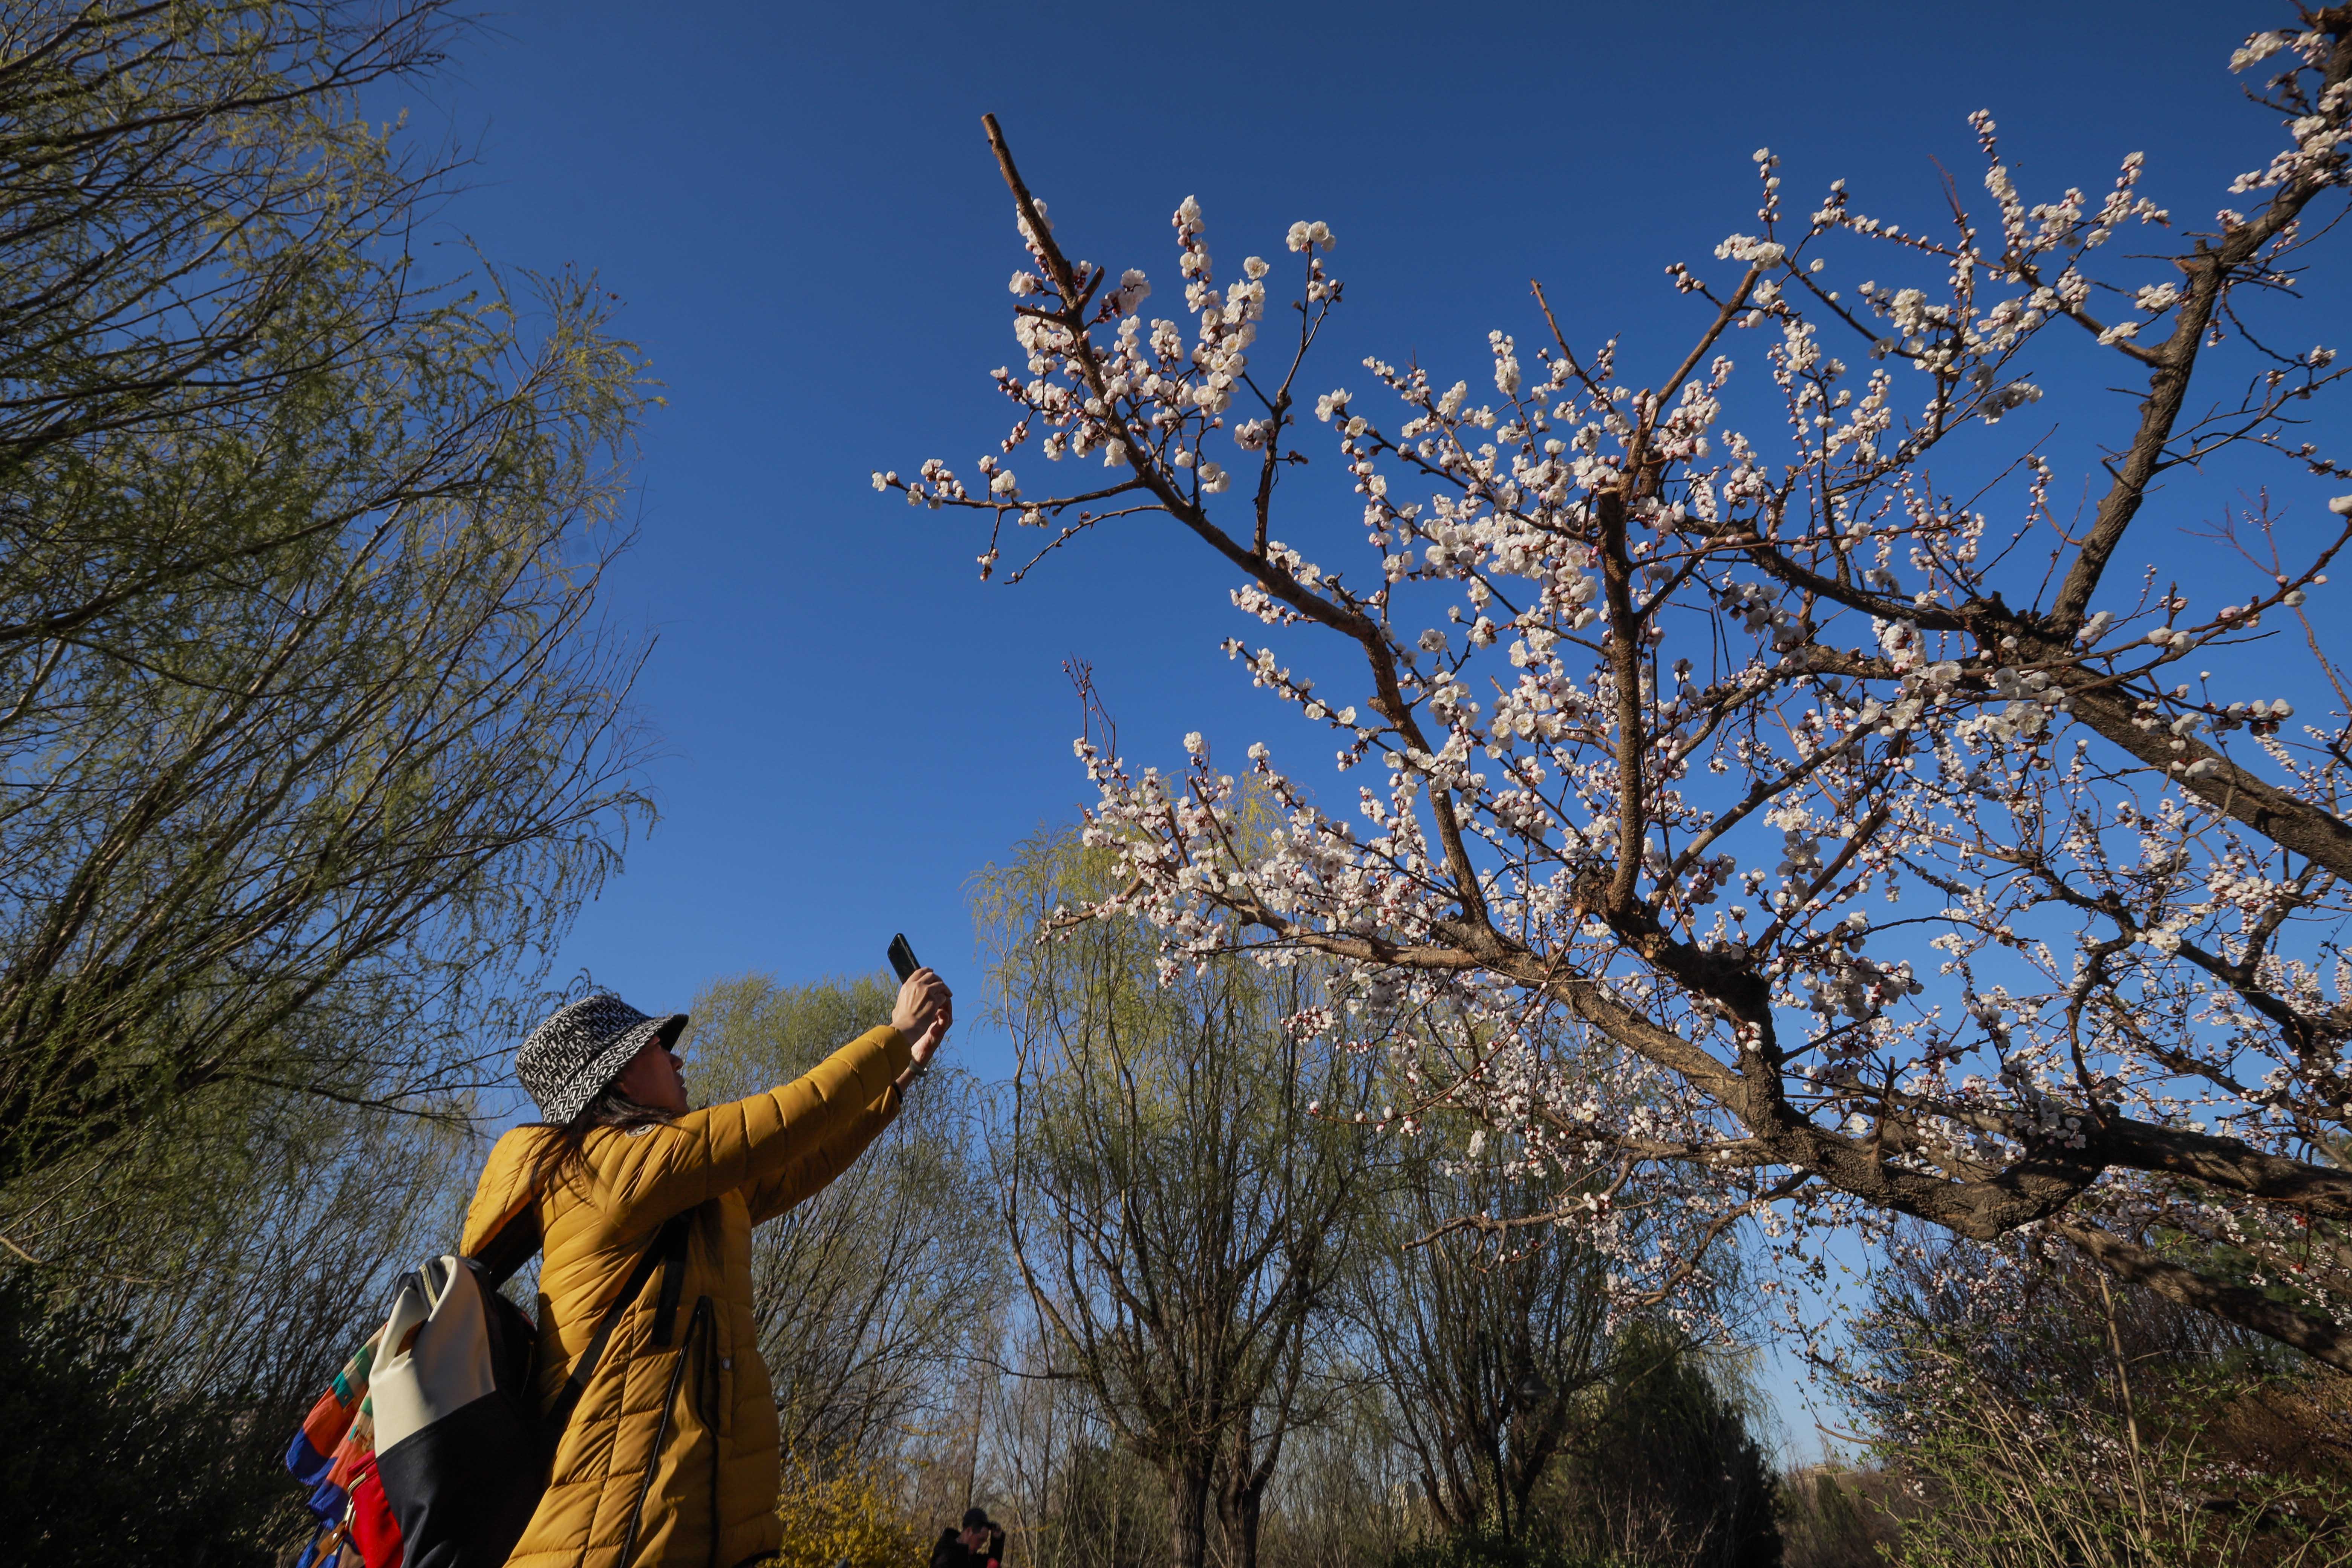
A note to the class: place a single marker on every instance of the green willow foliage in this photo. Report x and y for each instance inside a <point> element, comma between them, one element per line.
<point>1494,1365</point>
<point>310,740</point>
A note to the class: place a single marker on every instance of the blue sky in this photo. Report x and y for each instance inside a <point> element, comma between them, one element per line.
<point>797,204</point>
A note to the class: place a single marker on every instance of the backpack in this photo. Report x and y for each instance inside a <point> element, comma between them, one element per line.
<point>429,1450</point>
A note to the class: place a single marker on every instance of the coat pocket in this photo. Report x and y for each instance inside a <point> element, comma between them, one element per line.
<point>720,1415</point>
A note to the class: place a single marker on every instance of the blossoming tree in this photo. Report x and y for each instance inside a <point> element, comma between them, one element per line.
<point>1755,825</point>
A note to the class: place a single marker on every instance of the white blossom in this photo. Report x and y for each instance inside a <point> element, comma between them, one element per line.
<point>1906,816</point>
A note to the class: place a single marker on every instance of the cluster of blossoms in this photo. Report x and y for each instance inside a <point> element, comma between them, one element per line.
<point>1732,838</point>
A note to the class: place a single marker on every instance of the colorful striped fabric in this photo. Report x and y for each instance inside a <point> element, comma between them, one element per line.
<point>337,1439</point>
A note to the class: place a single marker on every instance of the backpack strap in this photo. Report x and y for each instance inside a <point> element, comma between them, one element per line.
<point>671,1244</point>
<point>668,1252</point>
<point>509,1247</point>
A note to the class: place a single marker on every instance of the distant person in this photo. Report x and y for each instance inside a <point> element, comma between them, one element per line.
<point>979,1544</point>
<point>671,1454</point>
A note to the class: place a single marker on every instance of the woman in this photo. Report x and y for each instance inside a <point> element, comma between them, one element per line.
<point>670,1457</point>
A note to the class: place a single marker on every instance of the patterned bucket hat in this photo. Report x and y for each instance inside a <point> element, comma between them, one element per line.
<point>583,1046</point>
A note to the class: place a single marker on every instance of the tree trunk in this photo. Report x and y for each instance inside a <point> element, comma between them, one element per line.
<point>1238,1511</point>
<point>1188,1509</point>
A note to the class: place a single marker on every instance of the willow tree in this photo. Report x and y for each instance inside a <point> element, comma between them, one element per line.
<point>1494,1365</point>
<point>310,738</point>
<point>1886,840</point>
<point>1184,1179</point>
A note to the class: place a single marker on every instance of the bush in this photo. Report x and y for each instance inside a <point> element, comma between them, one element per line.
<point>101,1468</point>
<point>845,1512</point>
<point>1475,1549</point>
<point>2006,1485</point>
<point>2036,1413</point>
<point>1832,1519</point>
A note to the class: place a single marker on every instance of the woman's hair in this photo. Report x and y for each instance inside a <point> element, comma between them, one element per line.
<point>612,1107</point>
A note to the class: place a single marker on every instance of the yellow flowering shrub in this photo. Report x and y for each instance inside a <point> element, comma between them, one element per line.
<point>847,1513</point>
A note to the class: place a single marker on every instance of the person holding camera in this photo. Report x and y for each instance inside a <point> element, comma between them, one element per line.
<point>671,1454</point>
<point>979,1544</point>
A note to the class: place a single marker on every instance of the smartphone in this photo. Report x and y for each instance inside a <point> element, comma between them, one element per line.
<point>902,958</point>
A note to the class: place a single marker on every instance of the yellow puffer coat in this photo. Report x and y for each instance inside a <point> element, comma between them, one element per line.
<point>692,1476</point>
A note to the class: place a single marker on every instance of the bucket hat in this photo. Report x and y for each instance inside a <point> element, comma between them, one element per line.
<point>583,1046</point>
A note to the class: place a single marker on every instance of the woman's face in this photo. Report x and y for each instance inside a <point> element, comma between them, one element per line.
<point>654,1078</point>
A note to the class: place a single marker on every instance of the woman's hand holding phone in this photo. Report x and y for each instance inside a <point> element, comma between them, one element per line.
<point>925,1010</point>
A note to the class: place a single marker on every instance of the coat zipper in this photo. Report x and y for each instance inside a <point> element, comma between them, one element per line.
<point>710,1383</point>
<point>700,1318</point>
